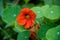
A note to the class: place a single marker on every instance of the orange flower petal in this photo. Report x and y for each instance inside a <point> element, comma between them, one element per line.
<point>22,22</point>
<point>20,16</point>
<point>32,22</point>
<point>32,14</point>
<point>28,24</point>
<point>25,10</point>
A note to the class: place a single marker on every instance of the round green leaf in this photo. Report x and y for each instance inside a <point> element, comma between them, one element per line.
<point>37,11</point>
<point>10,13</point>
<point>23,35</point>
<point>52,12</point>
<point>54,33</point>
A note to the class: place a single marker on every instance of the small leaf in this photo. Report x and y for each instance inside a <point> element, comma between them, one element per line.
<point>10,13</point>
<point>53,33</point>
<point>23,35</point>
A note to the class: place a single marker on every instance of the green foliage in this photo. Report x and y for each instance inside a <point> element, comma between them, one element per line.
<point>51,12</point>
<point>57,2</point>
<point>23,35</point>
<point>53,33</point>
<point>1,7</point>
<point>10,13</point>
<point>52,2</point>
<point>43,29</point>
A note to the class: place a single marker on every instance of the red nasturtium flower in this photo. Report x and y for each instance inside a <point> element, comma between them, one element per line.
<point>26,18</point>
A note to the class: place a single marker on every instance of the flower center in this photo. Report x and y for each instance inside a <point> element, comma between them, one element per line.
<point>27,16</point>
